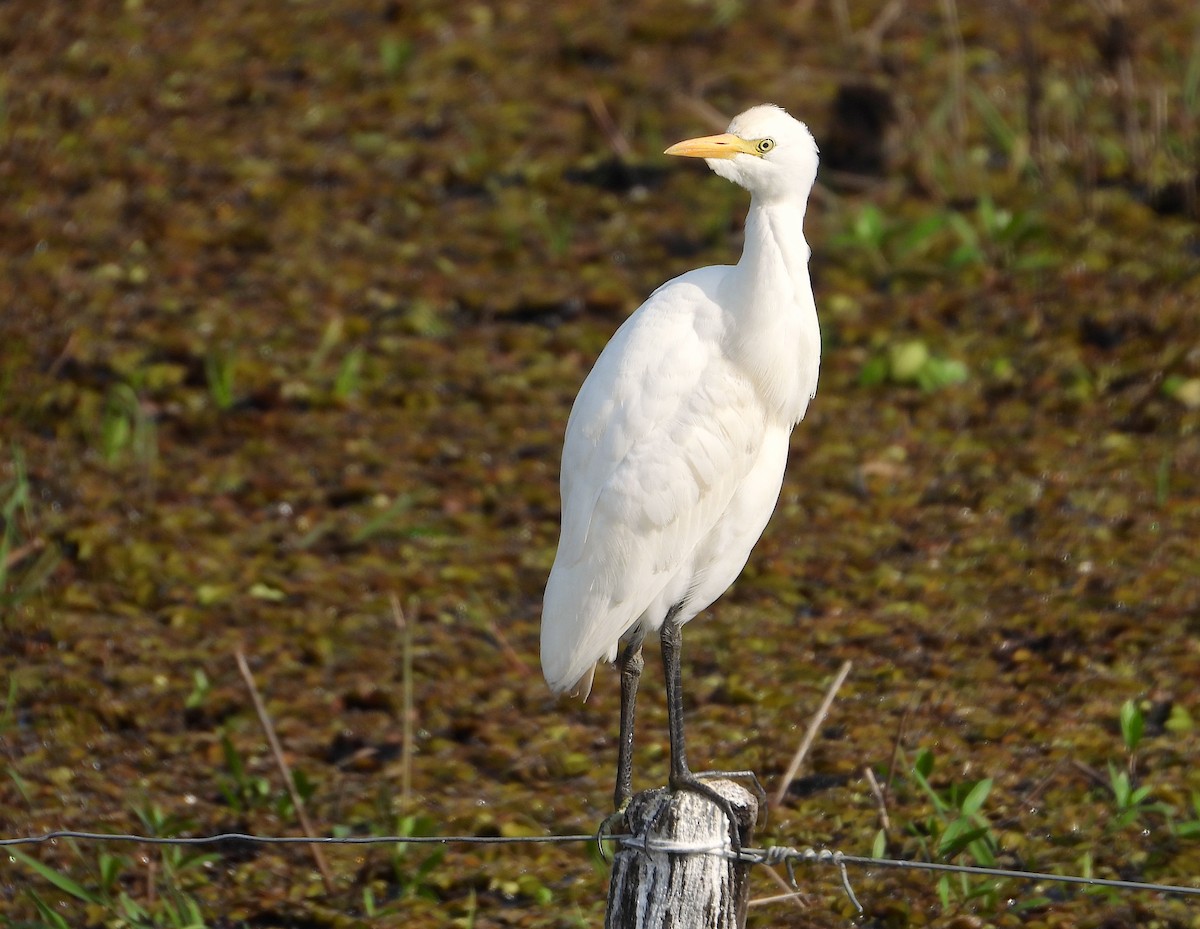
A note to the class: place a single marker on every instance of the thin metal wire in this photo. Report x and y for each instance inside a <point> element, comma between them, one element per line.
<point>1023,875</point>
<point>295,839</point>
<point>789,857</point>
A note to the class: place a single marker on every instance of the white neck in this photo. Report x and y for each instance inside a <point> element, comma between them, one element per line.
<point>775,239</point>
<point>774,333</point>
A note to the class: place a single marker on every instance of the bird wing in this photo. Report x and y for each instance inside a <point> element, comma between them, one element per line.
<point>661,434</point>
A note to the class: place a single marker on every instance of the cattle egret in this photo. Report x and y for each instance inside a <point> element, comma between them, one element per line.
<point>676,446</point>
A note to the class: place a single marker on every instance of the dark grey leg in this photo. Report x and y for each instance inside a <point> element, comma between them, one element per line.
<point>682,777</point>
<point>630,664</point>
<point>671,636</point>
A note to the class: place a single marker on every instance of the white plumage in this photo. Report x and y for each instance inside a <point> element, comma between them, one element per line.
<point>676,446</point>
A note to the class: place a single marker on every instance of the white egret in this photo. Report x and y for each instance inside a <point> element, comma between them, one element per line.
<point>676,445</point>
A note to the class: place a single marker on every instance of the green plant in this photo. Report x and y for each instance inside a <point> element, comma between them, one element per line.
<point>467,920</point>
<point>1132,802</point>
<point>349,375</point>
<point>1182,389</point>
<point>242,791</point>
<point>995,237</point>
<point>305,788</point>
<point>889,246</point>
<point>555,228</point>
<point>331,338</point>
<point>125,426</point>
<point>16,548</point>
<point>167,904</point>
<point>394,54</point>
<point>220,370</point>
<point>178,867</point>
<point>912,363</point>
<point>245,792</point>
<point>413,864</point>
<point>21,785</point>
<point>1190,829</point>
<point>201,688</point>
<point>1133,727</point>
<point>957,827</point>
<point>10,701</point>
<point>944,241</point>
<point>385,522</point>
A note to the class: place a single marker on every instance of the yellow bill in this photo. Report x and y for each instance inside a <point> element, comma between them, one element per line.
<point>725,145</point>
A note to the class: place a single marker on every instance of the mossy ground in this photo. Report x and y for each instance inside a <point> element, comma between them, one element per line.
<point>294,302</point>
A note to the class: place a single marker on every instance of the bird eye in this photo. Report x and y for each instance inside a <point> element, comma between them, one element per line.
<point>765,145</point>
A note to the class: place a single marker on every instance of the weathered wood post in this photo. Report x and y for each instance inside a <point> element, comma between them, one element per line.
<point>677,870</point>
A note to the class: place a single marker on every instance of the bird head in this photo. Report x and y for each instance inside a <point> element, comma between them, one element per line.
<point>764,150</point>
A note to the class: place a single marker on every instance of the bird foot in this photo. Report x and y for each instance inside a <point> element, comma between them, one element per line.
<point>611,823</point>
<point>695,783</point>
<point>751,781</point>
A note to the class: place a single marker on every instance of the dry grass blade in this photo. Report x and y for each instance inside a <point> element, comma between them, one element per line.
<point>409,721</point>
<point>957,89</point>
<point>21,552</point>
<point>277,751</point>
<point>811,733</point>
<point>789,892</point>
<point>885,822</point>
<point>612,132</point>
<point>898,744</point>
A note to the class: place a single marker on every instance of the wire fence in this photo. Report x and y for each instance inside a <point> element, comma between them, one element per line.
<point>786,856</point>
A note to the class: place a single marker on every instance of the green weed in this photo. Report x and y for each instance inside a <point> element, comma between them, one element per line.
<point>1133,803</point>
<point>126,427</point>
<point>394,55</point>
<point>331,338</point>
<point>246,793</point>
<point>996,238</point>
<point>385,522</point>
<point>411,867</point>
<point>21,785</point>
<point>242,791</point>
<point>1190,829</point>
<point>348,380</point>
<point>18,544</point>
<point>166,904</point>
<point>912,363</point>
<point>891,246</point>
<point>1133,727</point>
<point>556,229</point>
<point>178,866</point>
<point>201,688</point>
<point>1183,390</point>
<point>957,827</point>
<point>220,371</point>
<point>946,241</point>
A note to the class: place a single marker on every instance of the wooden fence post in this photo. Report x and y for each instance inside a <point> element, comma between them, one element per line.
<point>675,872</point>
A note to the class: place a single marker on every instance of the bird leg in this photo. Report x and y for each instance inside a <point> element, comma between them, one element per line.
<point>682,777</point>
<point>629,663</point>
<point>671,636</point>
